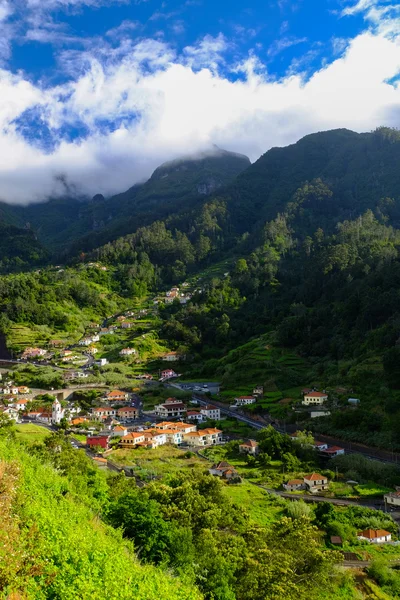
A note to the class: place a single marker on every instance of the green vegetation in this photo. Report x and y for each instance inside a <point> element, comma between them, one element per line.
<point>53,545</point>
<point>31,433</point>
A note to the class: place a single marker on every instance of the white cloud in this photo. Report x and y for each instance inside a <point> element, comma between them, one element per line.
<point>165,104</point>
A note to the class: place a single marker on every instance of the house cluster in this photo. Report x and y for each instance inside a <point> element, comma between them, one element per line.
<point>31,353</point>
<point>127,414</point>
<point>243,401</point>
<point>162,433</point>
<point>89,340</point>
<point>174,294</point>
<point>374,536</point>
<point>205,413</point>
<point>224,470</point>
<point>312,483</point>
<point>323,448</point>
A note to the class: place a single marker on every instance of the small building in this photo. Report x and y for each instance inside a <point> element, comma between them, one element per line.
<point>171,357</point>
<point>23,389</point>
<point>374,536</point>
<point>320,446</point>
<point>119,431</point>
<point>101,362</point>
<point>314,398</point>
<point>244,400</point>
<point>195,415</point>
<point>316,482</point>
<point>224,470</point>
<point>99,414</point>
<point>168,374</point>
<point>33,353</point>
<point>132,439</point>
<point>393,498</point>
<point>249,447</point>
<point>211,412</point>
<point>127,351</point>
<point>336,540</point>
<point>333,451</point>
<point>128,413</point>
<point>353,401</point>
<point>56,343</point>
<point>258,390</point>
<point>117,396</point>
<point>127,325</point>
<point>316,414</point>
<point>294,485</point>
<point>101,441</point>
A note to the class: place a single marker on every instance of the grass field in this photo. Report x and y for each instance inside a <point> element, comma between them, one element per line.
<point>31,433</point>
<point>158,462</point>
<point>262,507</point>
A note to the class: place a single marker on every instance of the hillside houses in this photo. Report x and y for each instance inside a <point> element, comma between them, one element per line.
<point>87,341</point>
<point>244,400</point>
<point>312,483</point>
<point>33,353</point>
<point>167,432</point>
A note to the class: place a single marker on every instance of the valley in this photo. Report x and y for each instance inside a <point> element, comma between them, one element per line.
<point>224,338</point>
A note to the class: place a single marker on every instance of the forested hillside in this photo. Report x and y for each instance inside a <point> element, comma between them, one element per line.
<point>86,223</point>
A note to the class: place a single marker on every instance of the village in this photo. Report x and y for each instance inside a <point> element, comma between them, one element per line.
<point>153,418</point>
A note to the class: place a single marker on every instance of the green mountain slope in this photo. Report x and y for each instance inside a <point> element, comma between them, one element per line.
<point>54,546</point>
<point>19,248</point>
<point>174,185</point>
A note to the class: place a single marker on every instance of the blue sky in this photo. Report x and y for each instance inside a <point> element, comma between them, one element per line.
<point>102,91</point>
<point>283,34</point>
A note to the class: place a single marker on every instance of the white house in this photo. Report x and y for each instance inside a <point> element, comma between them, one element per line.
<point>127,351</point>
<point>333,451</point>
<point>100,362</point>
<point>167,374</point>
<point>322,412</point>
<point>211,412</point>
<point>195,415</point>
<point>244,400</point>
<point>294,485</point>
<point>205,437</point>
<point>249,447</point>
<point>99,414</point>
<point>374,536</point>
<point>170,408</point>
<point>314,398</point>
<point>57,412</point>
<point>316,482</point>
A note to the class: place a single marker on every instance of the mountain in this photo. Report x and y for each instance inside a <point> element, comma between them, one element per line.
<point>359,169</point>
<point>19,248</point>
<point>174,185</point>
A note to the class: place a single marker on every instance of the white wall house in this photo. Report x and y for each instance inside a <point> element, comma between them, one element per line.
<point>314,398</point>
<point>374,536</point>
